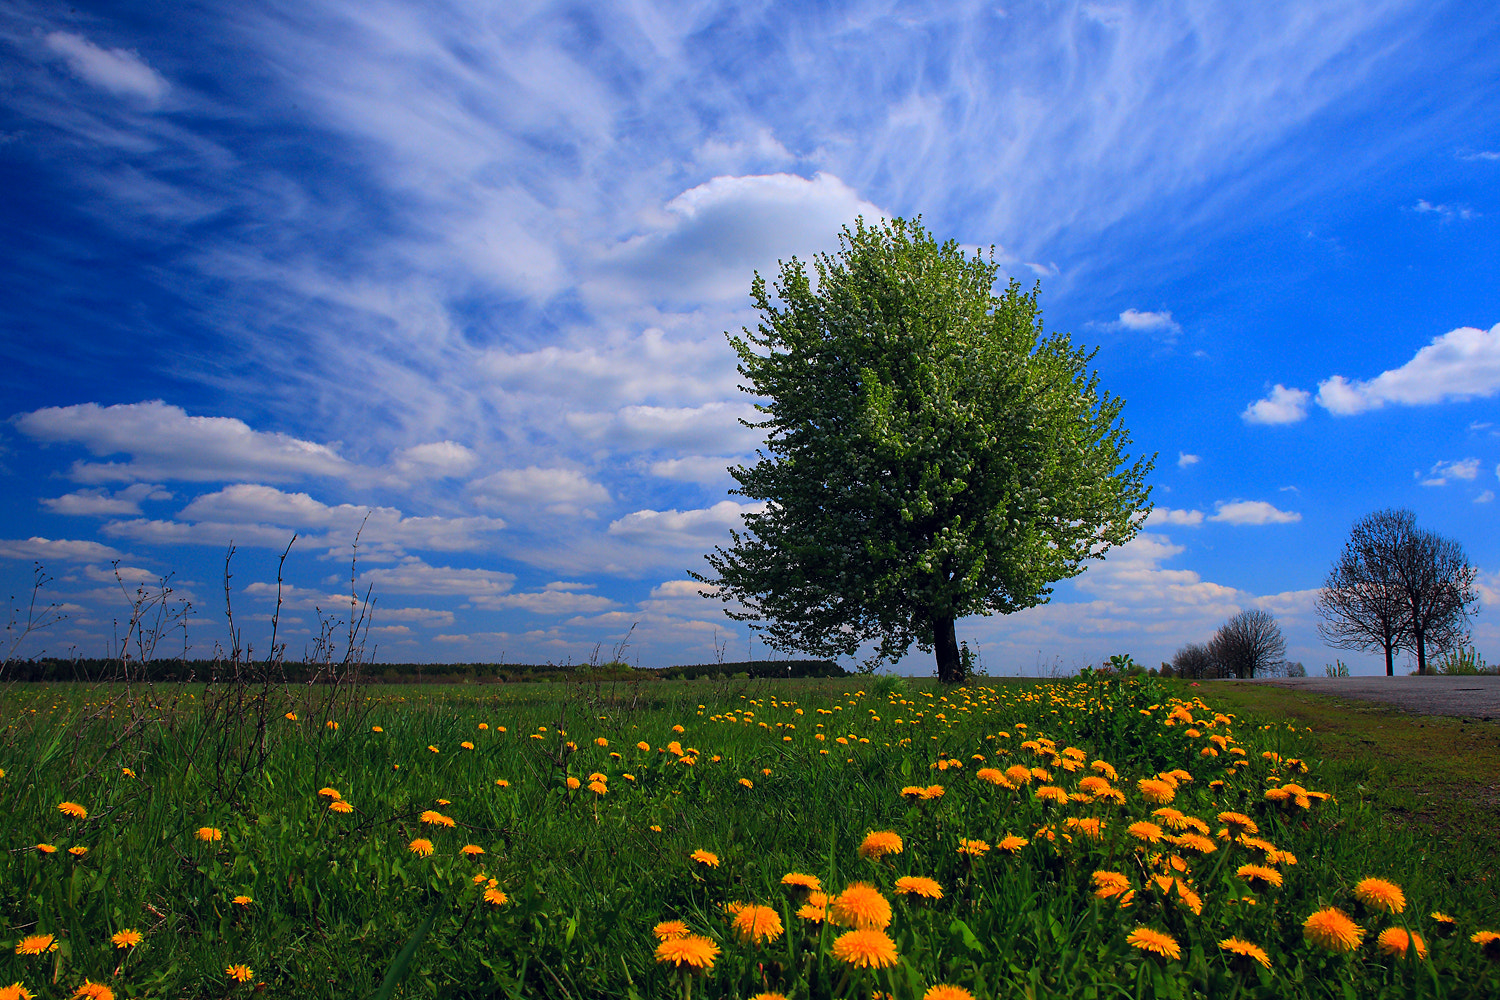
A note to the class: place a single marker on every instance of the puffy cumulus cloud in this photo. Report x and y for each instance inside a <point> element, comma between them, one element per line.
<point>686,529</point>
<point>713,236</point>
<point>164,443</point>
<point>1443,473</point>
<point>413,576</point>
<point>47,550</point>
<point>1282,406</point>
<point>707,428</point>
<point>1251,512</point>
<point>1136,321</point>
<point>1460,365</point>
<point>565,492</point>
<point>100,502</point>
<point>254,504</point>
<point>437,460</point>
<point>153,531</point>
<point>1184,460</point>
<point>119,71</point>
<point>1166,515</point>
<point>545,602</point>
<point>705,469</point>
<point>1485,497</point>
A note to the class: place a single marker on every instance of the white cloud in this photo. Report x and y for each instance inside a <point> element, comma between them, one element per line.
<point>164,443</point>
<point>707,428</point>
<point>416,577</point>
<point>100,502</point>
<point>1146,322</point>
<point>256,505</point>
<point>688,529</point>
<point>1184,460</point>
<point>1445,212</point>
<point>121,72</point>
<point>438,460</point>
<point>217,533</point>
<point>1444,473</point>
<point>704,469</point>
<point>55,550</point>
<point>545,602</point>
<point>565,492</point>
<point>1282,406</point>
<point>1166,515</point>
<point>1252,512</point>
<point>1485,497</point>
<point>1461,364</point>
<point>714,235</point>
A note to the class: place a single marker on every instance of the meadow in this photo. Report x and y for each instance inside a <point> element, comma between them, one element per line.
<point>1095,837</point>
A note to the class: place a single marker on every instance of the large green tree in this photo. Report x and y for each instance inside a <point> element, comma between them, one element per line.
<point>931,452</point>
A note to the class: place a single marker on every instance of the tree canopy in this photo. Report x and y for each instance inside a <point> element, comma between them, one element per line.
<point>931,452</point>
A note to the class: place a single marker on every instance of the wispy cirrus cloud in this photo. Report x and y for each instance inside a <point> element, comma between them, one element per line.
<point>119,71</point>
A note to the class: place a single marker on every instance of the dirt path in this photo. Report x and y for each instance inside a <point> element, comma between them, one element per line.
<point>1476,698</point>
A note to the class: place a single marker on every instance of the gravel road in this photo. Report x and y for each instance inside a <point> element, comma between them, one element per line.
<point>1462,697</point>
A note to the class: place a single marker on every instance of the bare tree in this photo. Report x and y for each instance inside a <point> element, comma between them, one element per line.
<point>1397,586</point>
<point>1364,605</point>
<point>1438,582</point>
<point>1194,661</point>
<point>1247,644</point>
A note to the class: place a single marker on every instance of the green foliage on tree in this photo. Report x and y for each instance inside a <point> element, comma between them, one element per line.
<point>932,453</point>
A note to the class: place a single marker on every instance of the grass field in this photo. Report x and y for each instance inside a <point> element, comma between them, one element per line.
<point>1088,838</point>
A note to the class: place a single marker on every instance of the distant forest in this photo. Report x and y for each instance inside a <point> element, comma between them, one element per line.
<point>166,671</point>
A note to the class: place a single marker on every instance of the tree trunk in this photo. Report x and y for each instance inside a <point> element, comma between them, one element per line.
<point>1390,671</point>
<point>1421,653</point>
<point>945,642</point>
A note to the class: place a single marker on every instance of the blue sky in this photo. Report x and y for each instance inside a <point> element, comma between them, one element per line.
<point>467,268</point>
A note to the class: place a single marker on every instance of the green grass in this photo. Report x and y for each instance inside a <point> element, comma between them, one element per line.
<point>343,908</point>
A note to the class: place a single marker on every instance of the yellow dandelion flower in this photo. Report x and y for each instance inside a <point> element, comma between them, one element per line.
<point>209,834</point>
<point>1393,941</point>
<point>15,991</point>
<point>879,843</point>
<point>573,784</point>
<point>502,783</point>
<point>862,906</point>
<point>693,951</point>
<point>421,847</point>
<point>812,913</point>
<point>1010,845</point>
<point>668,929</point>
<point>993,775</point>
<point>78,852</point>
<point>73,809</point>
<point>866,948</point>
<point>1018,774</point>
<point>124,771</point>
<point>1156,790</point>
<point>1332,929</point>
<point>598,787</point>
<point>340,806</point>
<point>290,716</point>
<point>1154,941</point>
<point>1238,823</point>
<point>1141,830</point>
<point>330,793</point>
<point>769,996</point>
<point>1378,894</point>
<point>1246,950</point>
<point>1108,884</point>
<point>1489,942</point>
<point>127,938</point>
<point>91,990</point>
<point>973,848</point>
<point>803,881</point>
<point>1051,793</point>
<point>240,971</point>
<point>747,783</point>
<point>1259,876</point>
<point>45,849</point>
<point>758,923</point>
<point>495,897</point>
<point>242,901</point>
<point>944,992</point>
<point>376,729</point>
<point>1106,769</point>
<point>703,857</point>
<point>1092,784</point>
<point>917,885</point>
<point>471,850</point>
<point>36,944</point>
<point>466,745</point>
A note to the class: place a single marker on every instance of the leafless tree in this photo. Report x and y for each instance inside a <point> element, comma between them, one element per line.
<point>1363,604</point>
<point>1247,644</point>
<point>1194,661</point>
<point>1397,586</point>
